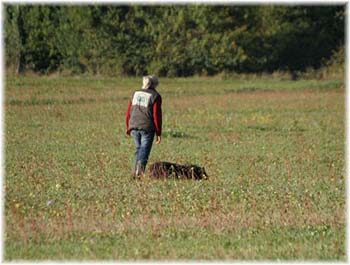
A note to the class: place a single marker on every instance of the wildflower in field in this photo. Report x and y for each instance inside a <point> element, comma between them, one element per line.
<point>49,202</point>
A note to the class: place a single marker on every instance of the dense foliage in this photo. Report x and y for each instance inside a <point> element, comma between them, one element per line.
<point>170,40</point>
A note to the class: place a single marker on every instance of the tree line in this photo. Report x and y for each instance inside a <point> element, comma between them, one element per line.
<point>170,40</point>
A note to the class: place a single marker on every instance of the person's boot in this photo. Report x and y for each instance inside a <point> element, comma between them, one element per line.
<point>139,170</point>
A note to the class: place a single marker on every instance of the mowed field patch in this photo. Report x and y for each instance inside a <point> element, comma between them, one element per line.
<point>274,155</point>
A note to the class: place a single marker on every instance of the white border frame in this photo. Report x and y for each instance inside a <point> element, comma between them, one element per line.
<point>182,2</point>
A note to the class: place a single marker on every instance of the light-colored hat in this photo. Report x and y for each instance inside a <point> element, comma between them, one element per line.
<point>149,81</point>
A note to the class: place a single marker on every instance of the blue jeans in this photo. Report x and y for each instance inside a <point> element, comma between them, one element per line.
<point>143,142</point>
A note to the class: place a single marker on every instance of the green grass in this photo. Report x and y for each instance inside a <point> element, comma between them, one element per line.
<point>274,152</point>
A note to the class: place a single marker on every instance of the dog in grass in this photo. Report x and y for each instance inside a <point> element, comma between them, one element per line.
<point>165,170</point>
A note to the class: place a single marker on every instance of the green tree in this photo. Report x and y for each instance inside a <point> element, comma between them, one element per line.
<point>13,39</point>
<point>40,38</point>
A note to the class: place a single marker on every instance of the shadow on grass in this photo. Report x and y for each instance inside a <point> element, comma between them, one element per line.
<point>173,133</point>
<point>265,128</point>
<point>51,101</point>
<point>298,85</point>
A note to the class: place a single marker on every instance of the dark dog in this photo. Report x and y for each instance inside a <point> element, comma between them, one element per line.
<point>163,170</point>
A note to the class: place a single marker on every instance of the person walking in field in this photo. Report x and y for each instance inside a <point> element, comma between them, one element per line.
<point>144,121</point>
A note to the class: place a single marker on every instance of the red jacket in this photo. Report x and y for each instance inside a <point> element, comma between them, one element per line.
<point>157,116</point>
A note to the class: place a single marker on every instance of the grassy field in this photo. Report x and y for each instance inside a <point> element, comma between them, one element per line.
<point>274,152</point>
